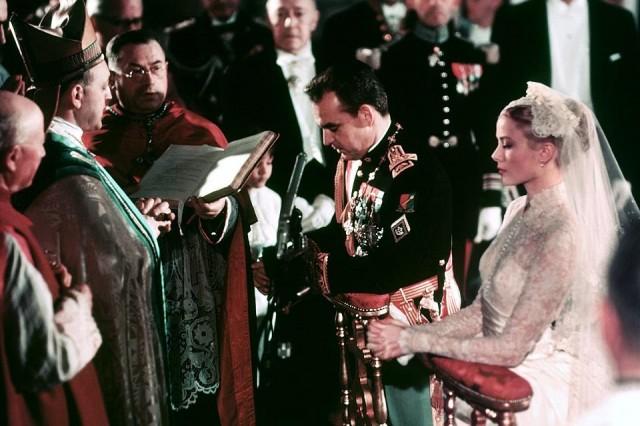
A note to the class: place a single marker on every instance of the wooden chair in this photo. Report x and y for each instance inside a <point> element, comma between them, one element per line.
<point>362,392</point>
<point>493,392</point>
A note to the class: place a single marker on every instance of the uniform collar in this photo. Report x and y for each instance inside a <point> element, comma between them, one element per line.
<point>380,148</point>
<point>431,35</point>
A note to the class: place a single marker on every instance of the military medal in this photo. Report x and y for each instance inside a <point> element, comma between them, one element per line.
<point>400,228</point>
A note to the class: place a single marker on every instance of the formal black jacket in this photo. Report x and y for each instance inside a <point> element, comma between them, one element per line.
<point>257,98</point>
<point>422,195</point>
<point>200,53</point>
<point>359,25</point>
<point>424,96</point>
<point>522,33</point>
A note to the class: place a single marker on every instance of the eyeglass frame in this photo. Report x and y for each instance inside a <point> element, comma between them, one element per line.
<point>141,71</point>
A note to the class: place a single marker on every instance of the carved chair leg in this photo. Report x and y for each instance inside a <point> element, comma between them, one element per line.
<point>449,406</point>
<point>379,399</point>
<point>506,419</point>
<point>478,418</point>
<point>345,398</point>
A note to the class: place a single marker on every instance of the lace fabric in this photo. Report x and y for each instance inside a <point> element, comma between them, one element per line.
<point>195,274</point>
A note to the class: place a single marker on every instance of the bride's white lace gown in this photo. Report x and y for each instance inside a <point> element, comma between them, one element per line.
<point>527,273</point>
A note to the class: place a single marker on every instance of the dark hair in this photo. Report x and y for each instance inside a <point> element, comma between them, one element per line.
<point>354,83</point>
<point>624,285</point>
<point>115,45</point>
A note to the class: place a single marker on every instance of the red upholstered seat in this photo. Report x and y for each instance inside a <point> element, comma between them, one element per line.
<point>362,304</point>
<point>486,383</point>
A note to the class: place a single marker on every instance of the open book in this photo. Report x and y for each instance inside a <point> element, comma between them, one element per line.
<point>204,171</point>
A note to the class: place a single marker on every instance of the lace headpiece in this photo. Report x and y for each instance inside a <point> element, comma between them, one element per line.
<point>552,115</point>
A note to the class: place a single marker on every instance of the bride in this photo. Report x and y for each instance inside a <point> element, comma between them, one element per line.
<point>544,271</point>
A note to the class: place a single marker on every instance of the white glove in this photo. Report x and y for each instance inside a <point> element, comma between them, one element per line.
<point>303,205</point>
<point>370,57</point>
<point>320,216</point>
<point>489,222</point>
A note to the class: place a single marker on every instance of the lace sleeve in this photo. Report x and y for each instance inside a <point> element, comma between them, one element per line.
<point>466,323</point>
<point>547,283</point>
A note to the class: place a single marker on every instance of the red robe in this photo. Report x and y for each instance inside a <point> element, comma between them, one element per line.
<point>122,147</point>
<point>78,401</point>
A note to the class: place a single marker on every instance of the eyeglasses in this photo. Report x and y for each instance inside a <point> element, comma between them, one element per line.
<point>121,22</point>
<point>138,73</point>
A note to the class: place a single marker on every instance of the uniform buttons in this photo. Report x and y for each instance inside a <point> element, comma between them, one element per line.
<point>446,121</point>
<point>446,109</point>
<point>441,63</point>
<point>445,98</point>
<point>446,144</point>
<point>445,133</point>
<point>359,174</point>
<point>443,75</point>
<point>445,85</point>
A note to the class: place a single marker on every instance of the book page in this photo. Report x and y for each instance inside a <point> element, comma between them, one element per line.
<point>179,172</point>
<point>202,170</point>
<point>235,165</point>
<point>222,175</point>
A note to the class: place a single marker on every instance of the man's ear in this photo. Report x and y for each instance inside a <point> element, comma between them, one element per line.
<point>314,20</point>
<point>365,112</point>
<point>10,159</point>
<point>76,95</point>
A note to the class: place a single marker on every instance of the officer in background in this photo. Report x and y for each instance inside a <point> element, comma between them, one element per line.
<point>433,78</point>
<point>200,51</point>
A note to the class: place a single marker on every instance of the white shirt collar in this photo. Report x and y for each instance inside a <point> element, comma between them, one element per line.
<point>561,6</point>
<point>285,58</point>
<point>71,131</point>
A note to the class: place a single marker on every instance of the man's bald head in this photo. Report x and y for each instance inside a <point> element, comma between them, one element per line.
<point>18,116</point>
<point>21,141</point>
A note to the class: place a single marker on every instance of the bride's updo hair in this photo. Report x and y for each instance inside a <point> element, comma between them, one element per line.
<point>522,116</point>
<point>547,116</point>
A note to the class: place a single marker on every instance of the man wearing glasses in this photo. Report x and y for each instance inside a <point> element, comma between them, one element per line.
<point>198,254</point>
<point>113,17</point>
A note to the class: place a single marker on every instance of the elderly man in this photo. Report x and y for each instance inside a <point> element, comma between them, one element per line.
<point>203,258</point>
<point>276,101</point>
<point>113,17</point>
<point>265,91</point>
<point>39,348</point>
<point>81,215</point>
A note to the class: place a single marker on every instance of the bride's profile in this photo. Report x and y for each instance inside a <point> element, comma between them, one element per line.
<point>545,270</point>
